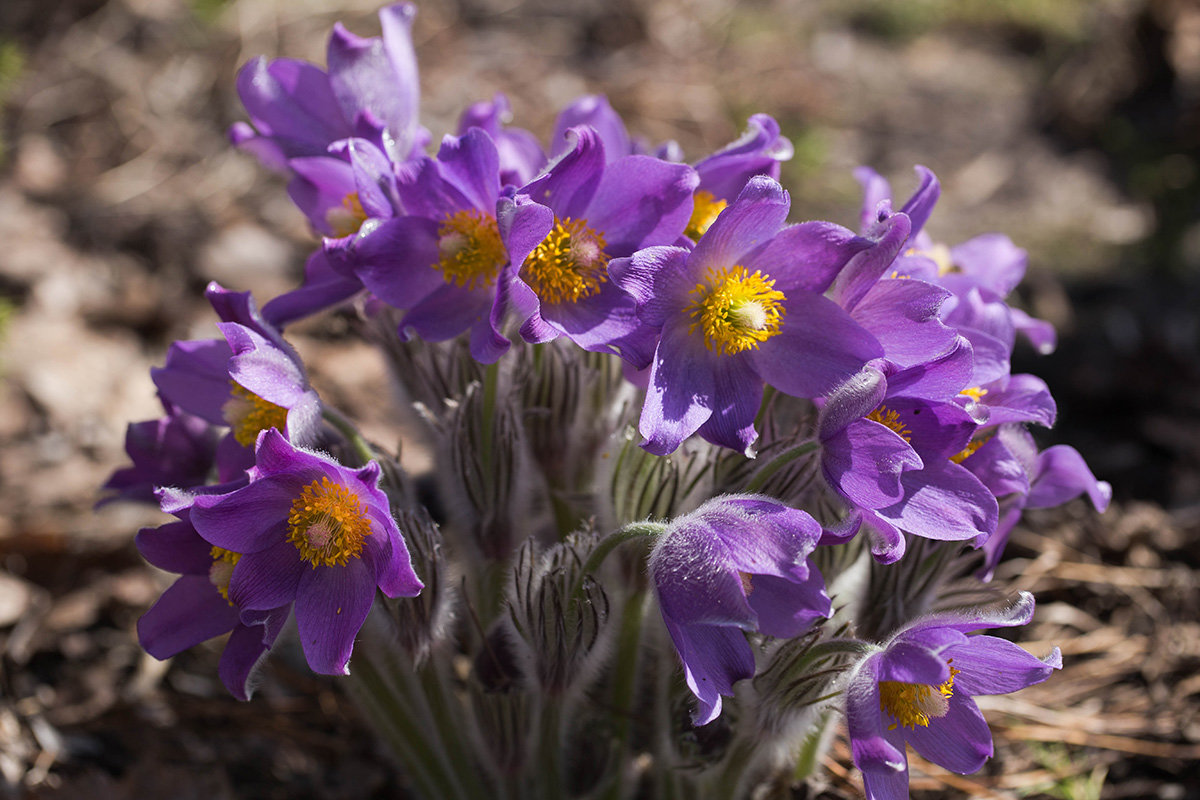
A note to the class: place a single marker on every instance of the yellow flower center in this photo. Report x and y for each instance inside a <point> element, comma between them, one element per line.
<point>221,570</point>
<point>568,265</point>
<point>328,523</point>
<point>248,415</point>
<point>939,254</point>
<point>705,210</point>
<point>970,449</point>
<point>348,217</point>
<point>975,393</point>
<point>913,704</point>
<point>471,252</point>
<point>735,310</point>
<point>891,419</point>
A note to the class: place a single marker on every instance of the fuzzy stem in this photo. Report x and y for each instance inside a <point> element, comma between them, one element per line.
<point>362,448</point>
<point>634,530</point>
<point>625,674</point>
<point>779,462</point>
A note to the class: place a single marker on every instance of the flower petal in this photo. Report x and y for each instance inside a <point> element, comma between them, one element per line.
<point>331,605</point>
<point>190,611</point>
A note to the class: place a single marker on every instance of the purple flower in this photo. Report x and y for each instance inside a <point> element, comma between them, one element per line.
<point>743,308</point>
<point>444,260</point>
<point>589,212</point>
<point>917,689</point>
<point>725,173</point>
<point>1007,460</point>
<point>891,446</point>
<point>197,606</point>
<point>370,91</point>
<point>521,157</point>
<point>312,532</point>
<point>251,381</point>
<point>737,563</point>
<point>175,450</point>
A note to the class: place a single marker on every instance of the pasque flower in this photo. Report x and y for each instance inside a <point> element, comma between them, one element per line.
<point>743,308</point>
<point>738,563</point>
<point>312,532</point>
<point>916,689</point>
<point>196,607</point>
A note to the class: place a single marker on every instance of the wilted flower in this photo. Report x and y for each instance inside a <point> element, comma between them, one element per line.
<point>313,532</point>
<point>738,563</point>
<point>917,689</point>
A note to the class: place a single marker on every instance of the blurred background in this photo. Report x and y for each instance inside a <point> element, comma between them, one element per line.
<point>1073,126</point>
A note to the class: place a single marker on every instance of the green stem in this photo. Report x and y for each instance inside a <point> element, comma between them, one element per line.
<point>362,447</point>
<point>633,530</point>
<point>625,672</point>
<point>549,766</point>
<point>491,384</point>
<point>779,462</point>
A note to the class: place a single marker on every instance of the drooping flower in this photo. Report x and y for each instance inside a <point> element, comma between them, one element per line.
<point>250,381</point>
<point>744,308</point>
<point>890,445</point>
<point>738,563</point>
<point>589,212</point>
<point>177,449</point>
<point>312,532</point>
<point>196,607</point>
<point>370,91</point>
<point>917,689</point>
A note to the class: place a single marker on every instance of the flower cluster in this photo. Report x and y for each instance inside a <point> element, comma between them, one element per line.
<point>606,342</point>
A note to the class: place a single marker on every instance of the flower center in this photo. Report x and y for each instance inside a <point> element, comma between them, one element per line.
<point>705,210</point>
<point>975,393</point>
<point>913,704</point>
<point>470,249</point>
<point>890,419</point>
<point>970,449</point>
<point>568,265</point>
<point>327,524</point>
<point>939,254</point>
<point>347,218</point>
<point>248,415</point>
<point>221,570</point>
<point>735,310</point>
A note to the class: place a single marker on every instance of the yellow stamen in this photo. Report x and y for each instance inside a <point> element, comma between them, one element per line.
<point>705,210</point>
<point>939,254</point>
<point>913,704</point>
<point>736,310</point>
<point>470,249</point>
<point>221,570</point>
<point>975,393</point>
<point>327,524</point>
<point>568,265</point>
<point>347,218</point>
<point>747,582</point>
<point>249,415</point>
<point>891,419</point>
<point>970,449</point>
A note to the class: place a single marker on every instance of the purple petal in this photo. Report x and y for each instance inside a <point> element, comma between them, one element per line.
<point>175,547</point>
<point>569,184</point>
<point>787,608</point>
<point>920,205</point>
<point>864,461</point>
<point>472,164</point>
<point>960,741</point>
<point>818,347</point>
<point>658,279</point>
<point>190,611</point>
<point>641,201</point>
<point>1008,614</point>
<point>993,260</point>
<point>268,578</point>
<point>876,190</point>
<point>757,151</point>
<point>878,753</point>
<point>714,658</point>
<point>331,605</point>
<point>806,257</point>
<point>195,378</point>
<point>943,501</point>
<point>750,221</point>
<point>680,393</point>
<point>292,101</point>
<point>242,654</point>
<point>1061,475</point>
<point>736,398</point>
<point>605,323</point>
<point>989,665</point>
<point>594,111</point>
<point>903,316</point>
<point>852,400</point>
<point>323,288</point>
<point>248,519</point>
<point>864,269</point>
<point>397,261</point>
